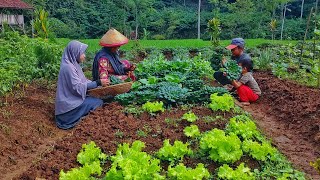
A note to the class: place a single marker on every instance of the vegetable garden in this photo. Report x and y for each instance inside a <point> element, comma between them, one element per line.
<point>175,123</point>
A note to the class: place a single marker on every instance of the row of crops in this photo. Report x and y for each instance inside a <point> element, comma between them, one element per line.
<point>225,147</point>
<point>23,59</point>
<point>164,84</point>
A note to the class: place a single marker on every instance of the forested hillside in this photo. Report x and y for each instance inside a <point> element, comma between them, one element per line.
<point>167,19</point>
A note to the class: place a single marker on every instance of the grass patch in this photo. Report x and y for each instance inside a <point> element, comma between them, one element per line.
<point>185,43</point>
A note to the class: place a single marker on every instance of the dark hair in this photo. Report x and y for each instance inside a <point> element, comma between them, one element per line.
<point>247,64</point>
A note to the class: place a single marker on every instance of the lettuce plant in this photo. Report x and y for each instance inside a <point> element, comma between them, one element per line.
<point>132,163</point>
<point>153,107</point>
<point>222,103</point>
<point>258,151</point>
<point>173,152</point>
<point>181,172</point>
<point>221,148</point>
<point>89,157</point>
<point>242,172</point>
<point>192,131</point>
<point>244,129</point>
<point>190,117</point>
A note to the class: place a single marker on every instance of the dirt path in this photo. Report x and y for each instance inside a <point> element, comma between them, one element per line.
<point>289,114</point>
<point>27,130</point>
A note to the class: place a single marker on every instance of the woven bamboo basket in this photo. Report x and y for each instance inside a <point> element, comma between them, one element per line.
<point>110,90</point>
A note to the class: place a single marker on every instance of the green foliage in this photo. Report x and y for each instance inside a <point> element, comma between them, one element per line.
<point>132,109</point>
<point>192,131</point>
<point>90,153</point>
<point>190,117</point>
<point>89,157</point>
<point>203,94</point>
<point>316,165</point>
<point>23,60</point>
<point>278,168</point>
<point>265,59</point>
<point>215,31</point>
<point>181,172</point>
<point>257,150</point>
<point>41,23</point>
<point>172,93</point>
<point>82,173</point>
<point>132,163</point>
<point>240,126</point>
<point>221,148</point>
<point>125,98</point>
<point>222,103</point>
<point>242,172</point>
<point>173,152</point>
<point>153,107</point>
<point>115,80</point>
<point>193,84</point>
<point>232,69</point>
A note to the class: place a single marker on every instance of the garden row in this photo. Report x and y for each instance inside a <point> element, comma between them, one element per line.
<point>165,84</point>
<point>24,59</point>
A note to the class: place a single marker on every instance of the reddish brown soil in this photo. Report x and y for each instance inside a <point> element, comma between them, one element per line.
<point>109,126</point>
<point>290,115</point>
<point>27,129</point>
<point>31,145</point>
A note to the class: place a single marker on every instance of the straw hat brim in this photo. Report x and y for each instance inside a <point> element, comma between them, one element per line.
<point>115,44</point>
<point>113,38</point>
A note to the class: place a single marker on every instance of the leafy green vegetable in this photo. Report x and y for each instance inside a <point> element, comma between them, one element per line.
<point>242,172</point>
<point>181,172</point>
<point>190,117</point>
<point>153,107</point>
<point>223,103</point>
<point>246,129</point>
<point>173,152</point>
<point>232,69</point>
<point>89,157</point>
<point>90,153</point>
<point>257,150</point>
<point>192,131</point>
<point>132,163</point>
<point>220,147</point>
<point>82,173</point>
<point>172,93</point>
<point>115,80</point>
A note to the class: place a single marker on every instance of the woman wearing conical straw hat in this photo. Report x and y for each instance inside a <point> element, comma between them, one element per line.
<point>107,61</point>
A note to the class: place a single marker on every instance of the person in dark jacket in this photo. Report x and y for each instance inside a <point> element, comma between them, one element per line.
<point>237,49</point>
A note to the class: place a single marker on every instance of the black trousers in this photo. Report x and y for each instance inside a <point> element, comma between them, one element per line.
<point>221,78</point>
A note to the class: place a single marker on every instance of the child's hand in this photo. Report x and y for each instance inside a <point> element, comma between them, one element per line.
<point>225,74</point>
<point>224,60</point>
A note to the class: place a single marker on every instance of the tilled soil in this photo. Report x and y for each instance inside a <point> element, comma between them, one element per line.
<point>32,146</point>
<point>110,126</point>
<point>289,114</point>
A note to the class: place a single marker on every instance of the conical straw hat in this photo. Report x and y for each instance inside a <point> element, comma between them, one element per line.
<point>113,38</point>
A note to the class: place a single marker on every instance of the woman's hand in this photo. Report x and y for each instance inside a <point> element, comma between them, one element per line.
<point>105,82</point>
<point>133,67</point>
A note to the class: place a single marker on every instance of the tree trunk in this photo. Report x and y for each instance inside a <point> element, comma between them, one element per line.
<point>316,10</point>
<point>199,10</point>
<point>283,18</point>
<point>302,4</point>
<point>137,23</point>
